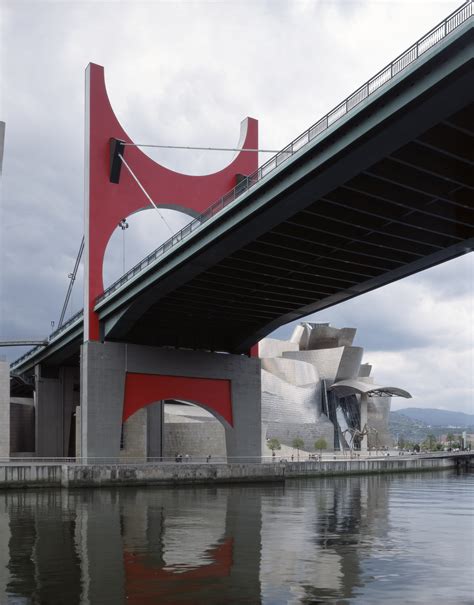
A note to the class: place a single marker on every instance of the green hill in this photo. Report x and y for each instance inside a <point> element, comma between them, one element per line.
<point>439,418</point>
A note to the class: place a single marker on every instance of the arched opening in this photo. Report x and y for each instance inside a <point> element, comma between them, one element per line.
<point>175,418</point>
<point>140,234</point>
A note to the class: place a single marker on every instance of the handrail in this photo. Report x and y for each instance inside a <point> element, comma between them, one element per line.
<point>304,458</point>
<point>75,318</point>
<point>433,37</point>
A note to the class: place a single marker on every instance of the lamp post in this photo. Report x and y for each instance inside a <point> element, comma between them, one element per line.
<point>123,225</point>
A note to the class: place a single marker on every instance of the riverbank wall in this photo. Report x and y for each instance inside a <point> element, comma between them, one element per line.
<point>35,475</point>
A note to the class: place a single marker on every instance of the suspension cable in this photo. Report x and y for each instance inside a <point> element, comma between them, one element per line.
<point>201,148</point>
<point>145,192</point>
<point>72,277</point>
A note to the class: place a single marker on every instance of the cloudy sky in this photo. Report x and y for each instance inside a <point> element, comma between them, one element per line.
<point>187,73</point>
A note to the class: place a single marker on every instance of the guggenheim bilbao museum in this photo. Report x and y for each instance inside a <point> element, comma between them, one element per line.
<point>313,386</point>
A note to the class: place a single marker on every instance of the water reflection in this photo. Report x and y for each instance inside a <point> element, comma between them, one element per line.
<point>338,540</point>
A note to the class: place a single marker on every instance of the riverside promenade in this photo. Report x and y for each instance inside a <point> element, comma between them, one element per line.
<point>18,473</point>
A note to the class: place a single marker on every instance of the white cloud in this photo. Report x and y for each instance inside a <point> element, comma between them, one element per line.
<point>435,376</point>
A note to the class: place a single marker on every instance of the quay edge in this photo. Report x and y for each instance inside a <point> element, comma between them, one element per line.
<point>16,475</point>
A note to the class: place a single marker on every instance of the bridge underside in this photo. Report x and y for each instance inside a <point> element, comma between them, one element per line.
<point>409,211</point>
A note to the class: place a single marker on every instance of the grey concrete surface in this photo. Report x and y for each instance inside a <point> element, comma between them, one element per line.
<point>104,367</point>
<point>155,422</point>
<point>49,433</point>
<point>22,425</point>
<point>26,475</point>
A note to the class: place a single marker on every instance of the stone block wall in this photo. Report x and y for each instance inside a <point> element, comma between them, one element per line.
<point>197,439</point>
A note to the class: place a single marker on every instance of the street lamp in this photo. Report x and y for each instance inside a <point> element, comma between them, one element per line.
<point>123,225</point>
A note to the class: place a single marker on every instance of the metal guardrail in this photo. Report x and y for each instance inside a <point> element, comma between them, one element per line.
<point>302,459</point>
<point>72,320</point>
<point>384,76</point>
<point>433,37</point>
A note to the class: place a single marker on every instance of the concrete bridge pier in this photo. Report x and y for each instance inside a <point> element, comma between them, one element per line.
<point>56,398</point>
<point>118,380</point>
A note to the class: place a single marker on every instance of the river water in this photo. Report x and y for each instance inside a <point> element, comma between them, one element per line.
<point>376,539</point>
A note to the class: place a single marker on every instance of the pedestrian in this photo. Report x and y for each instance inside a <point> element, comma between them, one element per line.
<point>208,458</point>
<point>186,458</point>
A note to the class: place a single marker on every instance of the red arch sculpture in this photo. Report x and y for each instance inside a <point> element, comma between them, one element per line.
<point>107,203</point>
<point>143,389</point>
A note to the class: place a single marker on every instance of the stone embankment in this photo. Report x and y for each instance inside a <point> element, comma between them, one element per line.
<point>16,474</point>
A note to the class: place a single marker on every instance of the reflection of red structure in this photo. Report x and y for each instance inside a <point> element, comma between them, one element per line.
<point>143,389</point>
<point>161,584</point>
<point>107,203</point>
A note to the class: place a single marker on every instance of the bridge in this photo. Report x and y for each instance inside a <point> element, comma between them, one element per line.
<point>378,189</point>
<point>354,203</point>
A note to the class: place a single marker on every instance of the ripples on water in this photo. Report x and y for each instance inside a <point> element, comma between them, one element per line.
<point>380,539</point>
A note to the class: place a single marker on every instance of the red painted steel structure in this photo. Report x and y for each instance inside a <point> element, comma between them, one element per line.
<point>107,203</point>
<point>143,389</point>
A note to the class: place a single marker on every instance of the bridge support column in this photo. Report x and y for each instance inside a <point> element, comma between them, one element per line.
<point>4,409</point>
<point>155,421</point>
<point>48,414</point>
<point>55,401</point>
<point>102,390</point>
<point>112,372</point>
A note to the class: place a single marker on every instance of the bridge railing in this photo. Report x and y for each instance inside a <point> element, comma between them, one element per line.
<point>384,76</point>
<point>66,325</point>
<point>222,459</point>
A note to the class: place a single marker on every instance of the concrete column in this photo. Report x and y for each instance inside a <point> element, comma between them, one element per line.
<point>244,439</point>
<point>155,422</point>
<point>69,376</point>
<point>102,391</point>
<point>4,409</point>
<point>364,404</point>
<point>48,416</point>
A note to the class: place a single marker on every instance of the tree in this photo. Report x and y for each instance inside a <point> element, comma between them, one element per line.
<point>450,439</point>
<point>320,444</point>
<point>402,442</point>
<point>429,443</point>
<point>298,444</point>
<point>273,444</point>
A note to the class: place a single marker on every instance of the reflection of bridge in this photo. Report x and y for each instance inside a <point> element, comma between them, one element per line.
<point>379,189</point>
<point>163,546</point>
